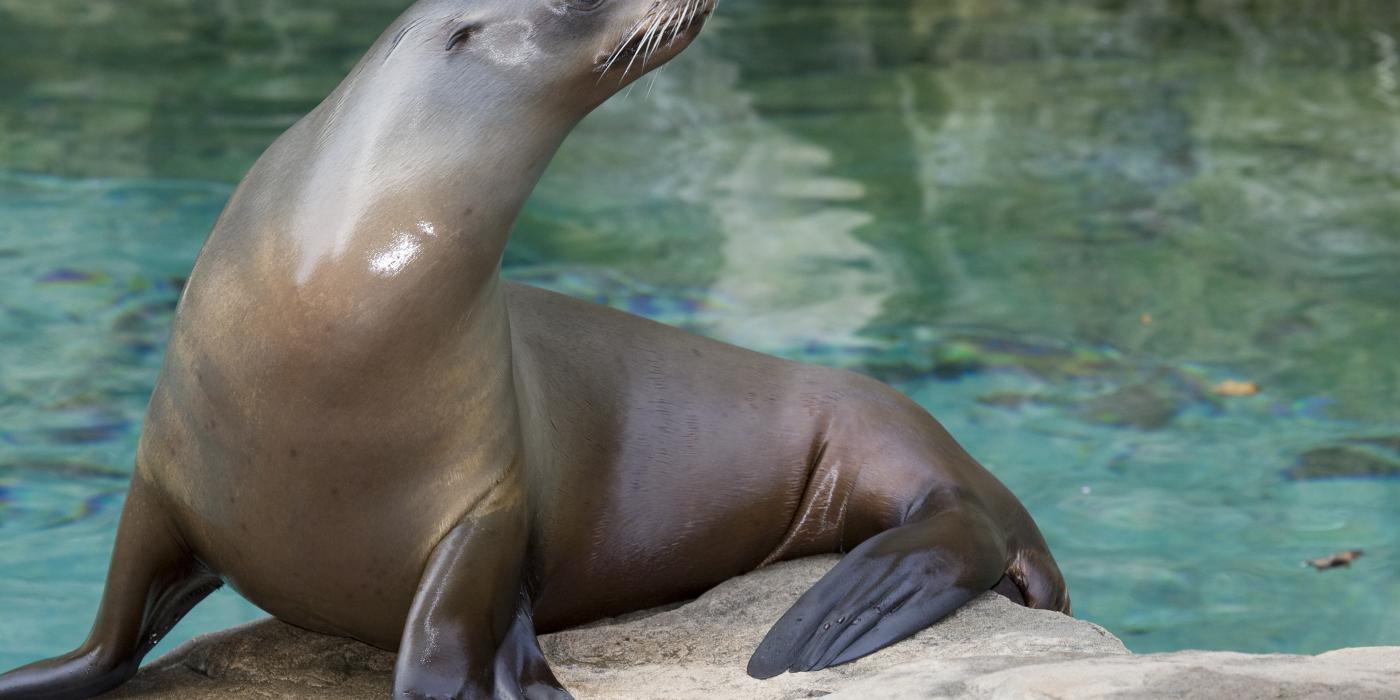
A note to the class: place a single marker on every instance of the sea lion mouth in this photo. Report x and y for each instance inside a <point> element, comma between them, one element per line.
<point>665,29</point>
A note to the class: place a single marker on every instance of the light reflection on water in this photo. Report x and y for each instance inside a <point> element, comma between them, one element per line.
<point>1057,227</point>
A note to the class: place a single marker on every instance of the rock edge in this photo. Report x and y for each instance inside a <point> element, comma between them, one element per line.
<point>989,649</point>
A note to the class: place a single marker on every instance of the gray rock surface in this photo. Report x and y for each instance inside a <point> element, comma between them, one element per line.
<point>989,649</point>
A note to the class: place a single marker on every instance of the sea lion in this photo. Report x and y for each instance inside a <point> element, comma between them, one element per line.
<point>367,433</point>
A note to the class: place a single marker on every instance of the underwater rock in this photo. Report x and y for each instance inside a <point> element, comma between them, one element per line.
<point>70,276</point>
<point>966,354</point>
<point>956,360</point>
<point>27,487</point>
<point>1141,406</point>
<point>963,354</point>
<point>1389,442</point>
<point>1010,400</point>
<point>1343,462</point>
<point>63,469</point>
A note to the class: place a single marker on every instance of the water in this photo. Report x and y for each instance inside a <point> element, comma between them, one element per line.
<point>1059,226</point>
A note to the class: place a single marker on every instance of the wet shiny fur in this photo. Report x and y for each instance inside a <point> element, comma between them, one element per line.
<point>367,433</point>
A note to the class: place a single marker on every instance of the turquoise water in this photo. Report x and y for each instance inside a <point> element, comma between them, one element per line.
<point>1059,226</point>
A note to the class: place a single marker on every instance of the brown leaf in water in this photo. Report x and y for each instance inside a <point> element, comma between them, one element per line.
<point>1338,560</point>
<point>1232,387</point>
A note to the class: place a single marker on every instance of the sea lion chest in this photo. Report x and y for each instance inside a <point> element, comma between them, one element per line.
<point>315,457</point>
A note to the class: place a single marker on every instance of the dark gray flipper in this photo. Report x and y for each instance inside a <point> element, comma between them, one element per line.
<point>469,635</point>
<point>154,580</point>
<point>522,673</point>
<point>888,588</point>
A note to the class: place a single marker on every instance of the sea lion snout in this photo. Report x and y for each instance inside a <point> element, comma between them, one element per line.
<point>571,54</point>
<point>659,31</point>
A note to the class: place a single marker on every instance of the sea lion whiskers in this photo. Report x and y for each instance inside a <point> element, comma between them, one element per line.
<point>677,22</point>
<point>658,39</point>
<point>629,38</point>
<point>659,28</point>
<point>671,30</point>
<point>621,48</point>
<point>640,48</point>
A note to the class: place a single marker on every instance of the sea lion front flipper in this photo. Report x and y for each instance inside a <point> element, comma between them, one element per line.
<point>153,581</point>
<point>521,669</point>
<point>469,635</point>
<point>885,590</point>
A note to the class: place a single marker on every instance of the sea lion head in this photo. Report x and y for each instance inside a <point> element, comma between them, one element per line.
<point>571,54</point>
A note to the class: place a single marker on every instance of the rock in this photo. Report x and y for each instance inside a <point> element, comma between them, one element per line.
<point>1389,442</point>
<point>1339,675</point>
<point>991,648</point>
<point>1141,406</point>
<point>1343,462</point>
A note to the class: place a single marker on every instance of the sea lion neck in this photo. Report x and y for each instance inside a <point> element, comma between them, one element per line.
<point>391,187</point>
<point>388,155</point>
<point>374,228</point>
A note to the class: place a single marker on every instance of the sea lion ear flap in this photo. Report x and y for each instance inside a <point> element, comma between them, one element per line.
<point>462,34</point>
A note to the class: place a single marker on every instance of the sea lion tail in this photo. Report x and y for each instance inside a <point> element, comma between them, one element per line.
<point>890,587</point>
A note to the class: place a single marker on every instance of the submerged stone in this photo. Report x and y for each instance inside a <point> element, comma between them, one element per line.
<point>70,276</point>
<point>1389,442</point>
<point>1343,462</point>
<point>1141,406</point>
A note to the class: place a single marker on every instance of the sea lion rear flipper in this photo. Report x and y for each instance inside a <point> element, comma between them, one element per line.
<point>469,634</point>
<point>885,590</point>
<point>154,580</point>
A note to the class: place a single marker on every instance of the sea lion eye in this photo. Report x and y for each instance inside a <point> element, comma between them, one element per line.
<point>583,5</point>
<point>461,36</point>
